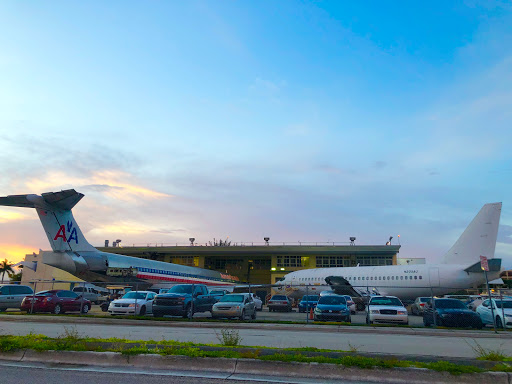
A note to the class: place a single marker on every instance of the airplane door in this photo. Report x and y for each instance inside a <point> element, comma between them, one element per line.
<point>434,277</point>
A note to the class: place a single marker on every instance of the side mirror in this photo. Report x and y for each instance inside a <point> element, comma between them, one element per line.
<point>196,294</point>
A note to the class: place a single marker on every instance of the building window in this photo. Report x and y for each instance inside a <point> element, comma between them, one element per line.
<point>332,261</point>
<point>374,260</point>
<point>289,261</point>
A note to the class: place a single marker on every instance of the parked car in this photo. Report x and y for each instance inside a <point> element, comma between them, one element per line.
<point>451,313</point>
<point>502,312</point>
<point>133,303</point>
<point>218,293</point>
<point>332,307</point>
<point>55,301</point>
<point>257,302</point>
<point>350,304</point>
<point>419,305</point>
<point>239,305</point>
<point>11,295</point>
<point>279,303</point>
<point>308,302</point>
<point>181,301</point>
<point>386,309</point>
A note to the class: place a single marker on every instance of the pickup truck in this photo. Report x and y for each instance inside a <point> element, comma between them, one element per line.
<point>183,300</point>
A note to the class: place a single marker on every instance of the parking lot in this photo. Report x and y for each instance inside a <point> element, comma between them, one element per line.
<point>359,318</point>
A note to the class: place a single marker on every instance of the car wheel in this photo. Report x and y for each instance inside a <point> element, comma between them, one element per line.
<point>189,312</point>
<point>426,323</point>
<point>499,323</point>
<point>85,309</point>
<point>479,324</point>
<point>242,316</point>
<point>57,309</point>
<point>349,320</point>
<point>2,309</point>
<point>254,315</point>
<point>142,311</point>
<point>270,309</point>
<point>368,320</point>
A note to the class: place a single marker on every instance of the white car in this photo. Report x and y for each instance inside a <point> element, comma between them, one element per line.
<point>386,309</point>
<point>350,304</point>
<point>133,303</point>
<point>502,312</point>
<point>257,302</point>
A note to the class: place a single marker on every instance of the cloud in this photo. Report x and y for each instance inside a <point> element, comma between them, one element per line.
<point>15,252</point>
<point>114,184</point>
<point>505,234</point>
<point>11,214</point>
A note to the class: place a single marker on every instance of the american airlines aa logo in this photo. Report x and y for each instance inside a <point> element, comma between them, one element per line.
<point>71,231</point>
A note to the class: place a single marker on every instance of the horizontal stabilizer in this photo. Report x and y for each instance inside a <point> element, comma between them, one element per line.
<point>63,200</point>
<point>494,266</point>
<point>17,201</point>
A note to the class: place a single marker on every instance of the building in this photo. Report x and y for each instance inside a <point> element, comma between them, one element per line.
<point>265,264</point>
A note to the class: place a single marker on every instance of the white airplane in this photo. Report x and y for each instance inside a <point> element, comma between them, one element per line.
<point>72,252</point>
<point>460,269</point>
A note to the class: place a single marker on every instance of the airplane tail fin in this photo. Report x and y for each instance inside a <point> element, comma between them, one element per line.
<point>54,210</point>
<point>478,239</point>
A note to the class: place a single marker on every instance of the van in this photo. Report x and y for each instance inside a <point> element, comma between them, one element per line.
<point>11,295</point>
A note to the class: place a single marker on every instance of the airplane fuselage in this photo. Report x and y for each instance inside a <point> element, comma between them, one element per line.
<point>405,282</point>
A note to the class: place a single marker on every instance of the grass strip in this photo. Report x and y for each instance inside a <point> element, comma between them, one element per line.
<point>72,342</point>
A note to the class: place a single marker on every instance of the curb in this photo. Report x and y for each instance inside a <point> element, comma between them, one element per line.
<point>256,367</point>
<point>259,326</point>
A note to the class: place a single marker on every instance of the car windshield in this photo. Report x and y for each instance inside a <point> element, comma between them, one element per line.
<point>424,299</point>
<point>448,304</point>
<point>278,297</point>
<point>386,301</point>
<point>135,295</point>
<point>506,304</point>
<point>232,299</point>
<point>310,298</point>
<point>332,300</point>
<point>181,289</point>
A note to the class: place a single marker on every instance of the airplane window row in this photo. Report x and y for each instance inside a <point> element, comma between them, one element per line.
<point>358,278</point>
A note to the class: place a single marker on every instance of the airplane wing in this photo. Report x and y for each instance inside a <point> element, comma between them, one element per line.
<point>341,286</point>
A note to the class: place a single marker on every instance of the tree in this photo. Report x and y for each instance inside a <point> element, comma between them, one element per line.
<point>220,243</point>
<point>16,276</point>
<point>6,267</point>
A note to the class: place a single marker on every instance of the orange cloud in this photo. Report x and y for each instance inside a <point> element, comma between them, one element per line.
<point>7,215</point>
<point>126,190</point>
<point>15,253</point>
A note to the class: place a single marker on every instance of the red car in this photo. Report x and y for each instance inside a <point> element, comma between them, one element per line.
<point>55,301</point>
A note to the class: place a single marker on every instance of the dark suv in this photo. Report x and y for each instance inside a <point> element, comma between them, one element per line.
<point>450,313</point>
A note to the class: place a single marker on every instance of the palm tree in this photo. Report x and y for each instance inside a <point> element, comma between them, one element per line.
<point>6,267</point>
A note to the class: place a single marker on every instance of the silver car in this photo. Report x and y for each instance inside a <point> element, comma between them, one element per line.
<point>234,305</point>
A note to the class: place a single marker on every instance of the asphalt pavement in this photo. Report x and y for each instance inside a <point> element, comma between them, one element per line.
<point>34,373</point>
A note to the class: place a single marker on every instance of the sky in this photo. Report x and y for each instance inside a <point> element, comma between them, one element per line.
<point>300,121</point>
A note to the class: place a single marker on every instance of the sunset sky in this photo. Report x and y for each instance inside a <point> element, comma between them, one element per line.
<point>301,121</point>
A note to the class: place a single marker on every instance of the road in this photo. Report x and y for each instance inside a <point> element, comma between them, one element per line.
<point>374,340</point>
<point>16,373</point>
